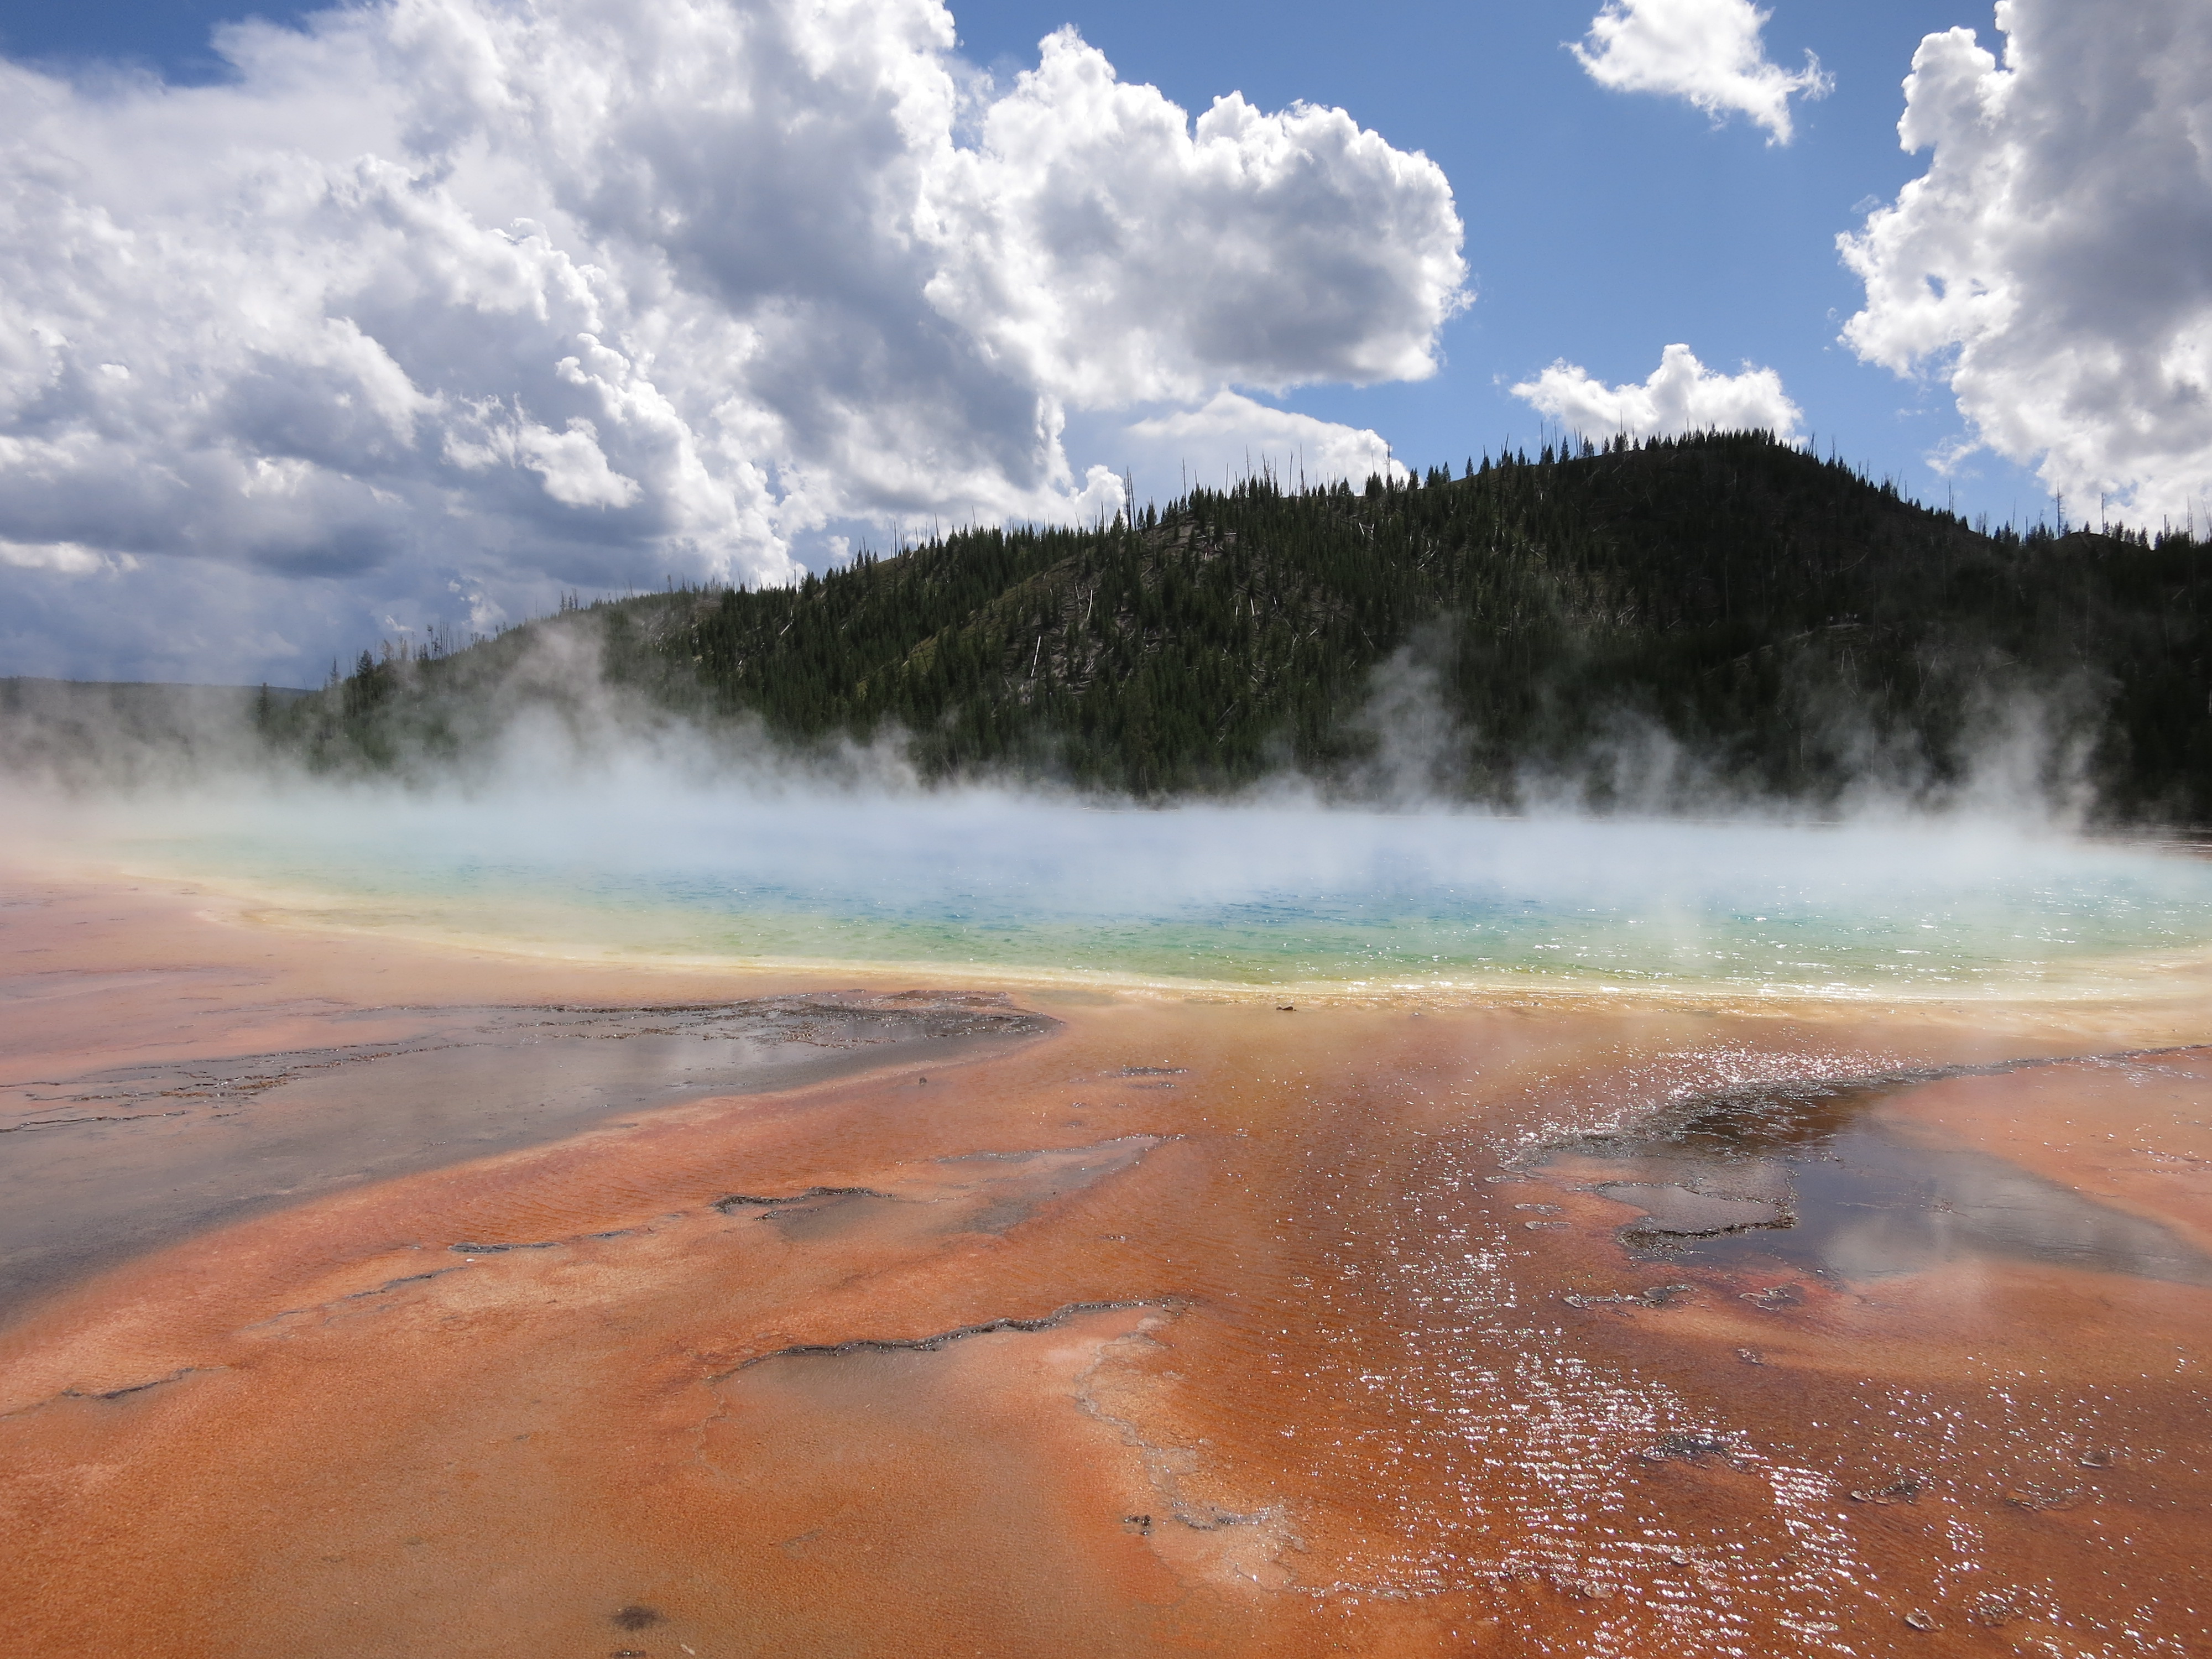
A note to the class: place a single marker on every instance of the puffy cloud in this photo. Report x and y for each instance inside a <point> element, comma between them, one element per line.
<point>1682,396</point>
<point>450,302</point>
<point>1709,51</point>
<point>571,463</point>
<point>65,556</point>
<point>2054,262</point>
<point>1232,436</point>
<point>1119,253</point>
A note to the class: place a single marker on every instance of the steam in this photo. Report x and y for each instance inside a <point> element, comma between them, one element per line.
<point>645,860</point>
<point>2022,756</point>
<point>580,816</point>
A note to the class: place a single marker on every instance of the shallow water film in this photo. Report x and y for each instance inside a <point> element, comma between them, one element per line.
<point>398,1273</point>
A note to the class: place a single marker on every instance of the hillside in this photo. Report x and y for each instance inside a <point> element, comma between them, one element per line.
<point>1777,622</point>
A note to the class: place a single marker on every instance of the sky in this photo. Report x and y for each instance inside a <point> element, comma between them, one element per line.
<point>337,325</point>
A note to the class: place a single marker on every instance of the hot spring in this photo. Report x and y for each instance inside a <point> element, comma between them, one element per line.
<point>1254,896</point>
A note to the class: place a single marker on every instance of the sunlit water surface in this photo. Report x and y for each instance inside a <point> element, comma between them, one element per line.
<point>1254,896</point>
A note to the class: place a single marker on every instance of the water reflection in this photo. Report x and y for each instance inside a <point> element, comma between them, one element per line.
<point>1799,1171</point>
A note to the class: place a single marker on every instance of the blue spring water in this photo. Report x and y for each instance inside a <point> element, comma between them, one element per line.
<point>1247,896</point>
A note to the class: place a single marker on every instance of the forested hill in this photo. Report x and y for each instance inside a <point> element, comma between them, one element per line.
<point>1786,624</point>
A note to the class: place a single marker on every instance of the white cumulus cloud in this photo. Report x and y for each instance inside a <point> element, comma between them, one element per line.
<point>486,297</point>
<point>2054,262</point>
<point>1231,436</point>
<point>65,556</point>
<point>1119,252</point>
<point>1711,52</point>
<point>1682,395</point>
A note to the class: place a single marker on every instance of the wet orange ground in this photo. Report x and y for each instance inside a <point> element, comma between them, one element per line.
<point>1192,1326</point>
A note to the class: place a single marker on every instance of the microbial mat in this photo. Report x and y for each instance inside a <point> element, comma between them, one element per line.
<point>661,1222</point>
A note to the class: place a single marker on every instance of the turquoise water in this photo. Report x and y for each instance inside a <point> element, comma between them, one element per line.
<point>1252,897</point>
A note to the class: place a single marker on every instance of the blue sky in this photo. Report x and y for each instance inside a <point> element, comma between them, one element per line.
<point>753,394</point>
<point>1601,226</point>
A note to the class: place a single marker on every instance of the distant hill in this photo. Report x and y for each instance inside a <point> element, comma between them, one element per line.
<point>1665,622</point>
